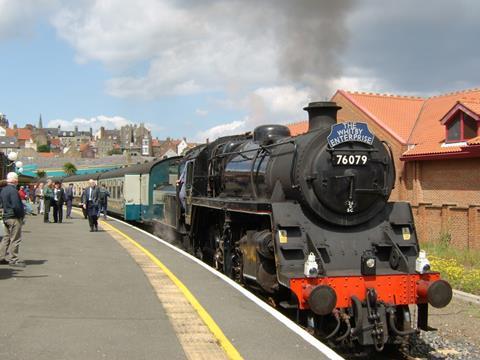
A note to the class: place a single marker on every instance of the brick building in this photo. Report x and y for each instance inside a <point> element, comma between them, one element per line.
<point>436,145</point>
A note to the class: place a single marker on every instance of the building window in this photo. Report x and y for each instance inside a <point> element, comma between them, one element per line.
<point>461,127</point>
<point>469,127</point>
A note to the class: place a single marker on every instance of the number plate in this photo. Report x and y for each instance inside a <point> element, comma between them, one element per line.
<point>350,159</point>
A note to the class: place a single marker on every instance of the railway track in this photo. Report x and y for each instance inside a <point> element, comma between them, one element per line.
<point>435,345</point>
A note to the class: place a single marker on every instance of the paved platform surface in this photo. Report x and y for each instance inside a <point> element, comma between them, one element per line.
<point>82,296</point>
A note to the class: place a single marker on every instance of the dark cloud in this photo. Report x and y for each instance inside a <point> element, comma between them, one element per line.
<point>308,36</point>
<point>311,39</point>
<point>416,46</point>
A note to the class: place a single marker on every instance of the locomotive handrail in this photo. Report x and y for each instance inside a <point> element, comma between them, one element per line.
<point>387,145</point>
<point>400,253</point>
<point>329,149</point>
<point>294,165</point>
<point>311,246</point>
<point>252,181</point>
<point>383,191</point>
<point>265,147</point>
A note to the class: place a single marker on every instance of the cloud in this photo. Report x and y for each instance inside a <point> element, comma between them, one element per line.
<point>192,47</point>
<point>234,127</point>
<point>18,17</point>
<point>277,105</point>
<point>201,112</point>
<point>282,103</point>
<point>109,122</point>
<point>397,50</point>
<point>267,61</point>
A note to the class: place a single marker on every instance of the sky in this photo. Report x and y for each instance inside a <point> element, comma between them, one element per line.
<point>205,68</point>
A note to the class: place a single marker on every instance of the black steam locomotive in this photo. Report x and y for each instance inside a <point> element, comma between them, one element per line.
<point>306,221</point>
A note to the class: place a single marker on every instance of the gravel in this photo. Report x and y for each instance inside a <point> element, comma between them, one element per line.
<point>433,346</point>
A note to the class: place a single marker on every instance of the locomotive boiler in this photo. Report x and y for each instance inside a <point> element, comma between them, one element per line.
<point>306,221</point>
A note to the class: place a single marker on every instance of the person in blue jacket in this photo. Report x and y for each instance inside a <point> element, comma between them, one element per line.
<point>13,214</point>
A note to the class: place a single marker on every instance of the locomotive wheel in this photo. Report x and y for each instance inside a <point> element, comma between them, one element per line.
<point>211,252</point>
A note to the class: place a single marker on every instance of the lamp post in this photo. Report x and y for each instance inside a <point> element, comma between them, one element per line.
<point>16,166</point>
<point>12,156</point>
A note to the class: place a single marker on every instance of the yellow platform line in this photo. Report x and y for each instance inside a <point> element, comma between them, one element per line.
<point>226,345</point>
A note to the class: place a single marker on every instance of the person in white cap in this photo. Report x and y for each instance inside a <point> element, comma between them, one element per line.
<point>13,214</point>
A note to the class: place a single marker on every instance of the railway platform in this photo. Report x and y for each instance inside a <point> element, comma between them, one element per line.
<point>121,293</point>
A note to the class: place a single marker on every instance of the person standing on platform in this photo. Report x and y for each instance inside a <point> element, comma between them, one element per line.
<point>84,209</point>
<point>33,195</point>
<point>103,200</point>
<point>90,203</point>
<point>27,193</point>
<point>47,199</point>
<point>13,214</point>
<point>39,199</point>
<point>22,194</point>
<point>57,203</point>
<point>69,200</point>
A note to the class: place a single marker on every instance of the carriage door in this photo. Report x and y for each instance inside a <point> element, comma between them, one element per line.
<point>131,192</point>
<point>189,191</point>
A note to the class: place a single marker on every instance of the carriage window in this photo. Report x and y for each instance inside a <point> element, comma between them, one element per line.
<point>118,192</point>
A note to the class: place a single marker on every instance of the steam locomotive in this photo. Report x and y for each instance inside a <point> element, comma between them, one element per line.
<point>306,221</point>
<point>303,220</point>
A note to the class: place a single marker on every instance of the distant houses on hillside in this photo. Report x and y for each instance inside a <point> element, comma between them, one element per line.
<point>132,140</point>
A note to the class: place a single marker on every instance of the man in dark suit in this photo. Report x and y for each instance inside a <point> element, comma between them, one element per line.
<point>69,200</point>
<point>90,203</point>
<point>58,200</point>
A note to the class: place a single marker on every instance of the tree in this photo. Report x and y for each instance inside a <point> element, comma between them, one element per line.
<point>43,148</point>
<point>115,152</point>
<point>69,168</point>
<point>41,174</point>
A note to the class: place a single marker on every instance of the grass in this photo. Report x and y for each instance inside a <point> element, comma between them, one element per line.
<point>461,267</point>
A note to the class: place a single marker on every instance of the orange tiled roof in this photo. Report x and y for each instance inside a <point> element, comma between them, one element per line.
<point>412,120</point>
<point>396,114</point>
<point>430,149</point>
<point>428,133</point>
<point>474,141</point>
<point>46,154</point>
<point>84,147</point>
<point>55,142</point>
<point>19,133</point>
<point>472,106</point>
<point>428,127</point>
<point>298,128</point>
<point>24,134</point>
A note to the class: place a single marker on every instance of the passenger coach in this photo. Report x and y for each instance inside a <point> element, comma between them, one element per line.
<point>137,192</point>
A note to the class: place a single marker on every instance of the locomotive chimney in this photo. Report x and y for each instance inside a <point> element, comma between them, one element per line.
<point>322,114</point>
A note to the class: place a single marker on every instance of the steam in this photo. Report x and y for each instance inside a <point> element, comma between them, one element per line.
<point>312,37</point>
<point>232,47</point>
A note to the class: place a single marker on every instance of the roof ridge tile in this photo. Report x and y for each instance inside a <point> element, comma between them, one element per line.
<point>452,93</point>
<point>386,94</point>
